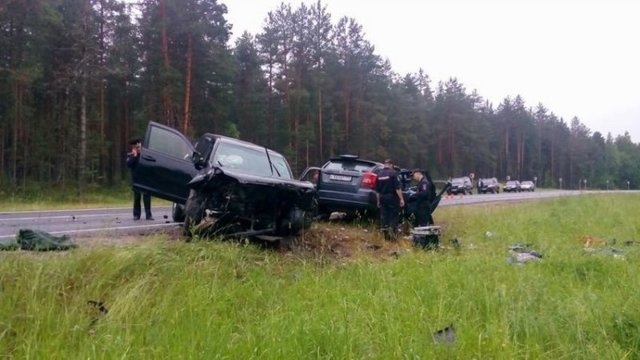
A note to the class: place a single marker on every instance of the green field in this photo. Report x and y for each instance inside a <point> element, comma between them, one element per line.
<point>171,299</point>
<point>42,198</point>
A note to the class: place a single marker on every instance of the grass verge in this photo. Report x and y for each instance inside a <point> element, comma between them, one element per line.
<point>169,299</point>
<point>40,198</point>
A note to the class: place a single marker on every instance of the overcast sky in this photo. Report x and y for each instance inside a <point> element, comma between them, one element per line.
<point>578,58</point>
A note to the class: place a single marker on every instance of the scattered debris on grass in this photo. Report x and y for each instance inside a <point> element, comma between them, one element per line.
<point>522,253</point>
<point>98,310</point>
<point>597,246</point>
<point>37,240</point>
<point>445,336</point>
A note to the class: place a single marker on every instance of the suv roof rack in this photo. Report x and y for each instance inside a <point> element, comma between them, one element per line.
<point>348,156</point>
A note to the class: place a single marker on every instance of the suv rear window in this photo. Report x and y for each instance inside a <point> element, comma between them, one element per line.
<point>358,166</point>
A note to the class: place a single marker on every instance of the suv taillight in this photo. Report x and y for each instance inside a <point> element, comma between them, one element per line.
<point>369,180</point>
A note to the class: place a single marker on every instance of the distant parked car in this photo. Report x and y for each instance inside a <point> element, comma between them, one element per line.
<point>488,185</point>
<point>512,186</point>
<point>460,185</point>
<point>527,186</point>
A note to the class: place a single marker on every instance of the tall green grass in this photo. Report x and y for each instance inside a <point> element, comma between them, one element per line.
<point>168,299</point>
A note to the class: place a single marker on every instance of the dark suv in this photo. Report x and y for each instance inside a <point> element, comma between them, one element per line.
<point>460,185</point>
<point>512,186</point>
<point>345,183</point>
<point>490,185</point>
<point>228,186</point>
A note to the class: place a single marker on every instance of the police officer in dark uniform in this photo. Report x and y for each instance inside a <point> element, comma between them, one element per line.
<point>389,198</point>
<point>422,198</point>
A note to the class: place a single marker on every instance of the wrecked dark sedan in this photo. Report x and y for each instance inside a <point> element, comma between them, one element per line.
<point>222,185</point>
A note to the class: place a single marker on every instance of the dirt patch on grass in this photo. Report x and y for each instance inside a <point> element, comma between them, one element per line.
<point>346,240</point>
<point>323,241</point>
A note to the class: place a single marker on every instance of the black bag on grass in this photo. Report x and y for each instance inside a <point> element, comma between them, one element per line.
<point>37,240</point>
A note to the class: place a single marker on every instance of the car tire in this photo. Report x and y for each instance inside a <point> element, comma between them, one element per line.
<point>177,212</point>
<point>193,211</point>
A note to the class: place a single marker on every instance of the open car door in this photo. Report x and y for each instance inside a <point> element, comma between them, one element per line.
<point>311,174</point>
<point>165,167</point>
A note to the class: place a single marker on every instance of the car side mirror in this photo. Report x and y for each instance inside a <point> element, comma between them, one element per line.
<point>198,160</point>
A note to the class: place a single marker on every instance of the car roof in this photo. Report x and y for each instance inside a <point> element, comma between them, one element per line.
<point>232,140</point>
<point>354,158</point>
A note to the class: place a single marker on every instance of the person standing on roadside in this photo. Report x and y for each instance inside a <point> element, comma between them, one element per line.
<point>133,157</point>
<point>389,199</point>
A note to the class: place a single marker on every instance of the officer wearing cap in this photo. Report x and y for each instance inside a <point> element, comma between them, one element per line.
<point>425,193</point>
<point>389,198</point>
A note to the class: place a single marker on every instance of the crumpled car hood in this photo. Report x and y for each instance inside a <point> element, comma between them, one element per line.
<point>244,178</point>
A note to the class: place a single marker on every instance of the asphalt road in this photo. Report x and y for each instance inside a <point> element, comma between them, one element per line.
<point>109,222</point>
<point>119,221</point>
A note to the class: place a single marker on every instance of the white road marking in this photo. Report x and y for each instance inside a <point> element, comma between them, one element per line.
<point>80,231</point>
<point>69,210</point>
<point>70,217</point>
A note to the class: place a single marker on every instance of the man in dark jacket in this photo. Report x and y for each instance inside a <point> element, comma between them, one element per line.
<point>422,198</point>
<point>133,157</point>
<point>389,198</point>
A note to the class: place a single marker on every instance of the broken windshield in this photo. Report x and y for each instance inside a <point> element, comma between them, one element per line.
<point>251,160</point>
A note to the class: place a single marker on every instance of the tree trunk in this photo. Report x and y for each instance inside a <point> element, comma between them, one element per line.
<point>347,110</point>
<point>102,152</point>
<point>451,139</point>
<point>186,117</point>
<point>271,107</point>
<point>167,102</point>
<point>82,153</point>
<point>296,117</point>
<point>439,149</point>
<point>16,127</point>
<point>2,153</point>
<point>320,140</point>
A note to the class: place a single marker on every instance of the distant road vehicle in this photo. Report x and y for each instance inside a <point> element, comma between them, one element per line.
<point>527,186</point>
<point>460,185</point>
<point>488,185</point>
<point>512,186</point>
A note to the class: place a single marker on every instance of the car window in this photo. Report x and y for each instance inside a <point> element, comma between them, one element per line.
<point>349,166</point>
<point>168,143</point>
<point>251,160</point>
<point>205,145</point>
<point>513,183</point>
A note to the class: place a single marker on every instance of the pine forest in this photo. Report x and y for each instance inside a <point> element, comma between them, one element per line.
<point>79,78</point>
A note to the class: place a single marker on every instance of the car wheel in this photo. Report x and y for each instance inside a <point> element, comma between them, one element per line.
<point>193,211</point>
<point>292,223</point>
<point>177,212</point>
